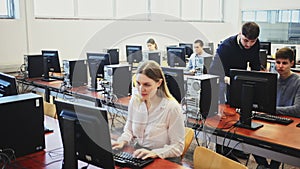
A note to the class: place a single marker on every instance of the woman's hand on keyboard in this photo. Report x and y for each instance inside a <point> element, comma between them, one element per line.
<point>144,154</point>
<point>118,145</point>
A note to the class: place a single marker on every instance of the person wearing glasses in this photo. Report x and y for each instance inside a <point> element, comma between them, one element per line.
<point>240,51</point>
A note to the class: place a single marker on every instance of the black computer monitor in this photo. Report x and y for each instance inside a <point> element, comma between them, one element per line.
<point>176,56</point>
<point>8,85</point>
<point>252,91</point>
<point>96,62</point>
<point>266,46</point>
<point>134,54</point>
<point>263,59</point>
<point>34,64</point>
<point>85,135</point>
<point>50,63</point>
<point>208,50</point>
<point>175,82</point>
<point>114,56</point>
<point>154,55</point>
<point>188,48</point>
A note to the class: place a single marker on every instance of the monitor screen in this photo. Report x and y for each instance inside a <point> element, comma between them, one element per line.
<point>114,56</point>
<point>265,46</point>
<point>188,48</point>
<point>96,62</point>
<point>50,63</point>
<point>8,85</point>
<point>85,127</point>
<point>175,82</point>
<point>33,65</point>
<point>252,91</point>
<point>134,54</point>
<point>176,56</point>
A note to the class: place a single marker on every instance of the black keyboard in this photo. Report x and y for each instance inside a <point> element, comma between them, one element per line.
<point>272,118</point>
<point>124,159</point>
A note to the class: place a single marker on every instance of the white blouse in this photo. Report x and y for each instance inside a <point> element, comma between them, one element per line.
<point>162,130</point>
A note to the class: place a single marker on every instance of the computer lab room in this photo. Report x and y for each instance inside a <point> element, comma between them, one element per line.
<point>153,84</point>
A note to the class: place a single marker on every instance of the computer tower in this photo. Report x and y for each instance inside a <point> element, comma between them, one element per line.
<point>75,73</point>
<point>33,65</point>
<point>22,123</point>
<point>118,80</point>
<point>202,95</point>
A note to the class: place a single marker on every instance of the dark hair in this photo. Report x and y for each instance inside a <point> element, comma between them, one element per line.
<point>152,41</point>
<point>199,41</point>
<point>285,53</point>
<point>152,70</point>
<point>250,30</point>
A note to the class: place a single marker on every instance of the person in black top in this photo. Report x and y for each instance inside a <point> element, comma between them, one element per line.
<point>240,51</point>
<point>236,52</point>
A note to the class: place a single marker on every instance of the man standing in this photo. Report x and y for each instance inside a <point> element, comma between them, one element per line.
<point>240,51</point>
<point>236,52</point>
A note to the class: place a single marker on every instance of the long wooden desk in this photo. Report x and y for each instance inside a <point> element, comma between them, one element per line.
<point>52,156</point>
<point>275,141</point>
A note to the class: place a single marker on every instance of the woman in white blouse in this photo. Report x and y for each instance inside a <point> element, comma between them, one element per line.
<point>155,122</point>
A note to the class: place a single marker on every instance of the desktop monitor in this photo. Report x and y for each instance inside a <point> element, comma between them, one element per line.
<point>34,66</point>
<point>114,56</point>
<point>263,59</point>
<point>208,50</point>
<point>175,82</point>
<point>266,46</point>
<point>252,91</point>
<point>134,54</point>
<point>176,56</point>
<point>96,62</point>
<point>50,63</point>
<point>8,85</point>
<point>153,55</point>
<point>188,48</point>
<point>85,135</point>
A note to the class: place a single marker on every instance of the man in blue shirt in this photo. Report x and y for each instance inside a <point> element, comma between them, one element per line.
<point>236,52</point>
<point>288,95</point>
<point>196,62</point>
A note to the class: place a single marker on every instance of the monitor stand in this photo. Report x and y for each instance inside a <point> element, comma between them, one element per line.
<point>68,138</point>
<point>252,126</point>
<point>247,97</point>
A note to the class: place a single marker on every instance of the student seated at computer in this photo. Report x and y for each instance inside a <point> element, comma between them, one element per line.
<point>288,95</point>
<point>195,61</point>
<point>151,44</point>
<point>155,124</point>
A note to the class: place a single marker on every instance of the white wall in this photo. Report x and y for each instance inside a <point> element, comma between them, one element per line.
<point>74,37</point>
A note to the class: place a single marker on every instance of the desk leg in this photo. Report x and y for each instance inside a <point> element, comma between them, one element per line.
<point>47,94</point>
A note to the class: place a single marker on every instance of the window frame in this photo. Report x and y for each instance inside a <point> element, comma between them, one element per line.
<point>10,10</point>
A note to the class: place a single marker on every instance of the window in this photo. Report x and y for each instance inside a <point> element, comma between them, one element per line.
<point>277,26</point>
<point>7,9</point>
<point>189,10</point>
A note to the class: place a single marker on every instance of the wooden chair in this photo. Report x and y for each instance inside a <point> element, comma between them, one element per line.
<point>207,159</point>
<point>188,138</point>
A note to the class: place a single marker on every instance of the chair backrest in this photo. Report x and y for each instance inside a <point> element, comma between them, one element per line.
<point>207,159</point>
<point>188,138</point>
